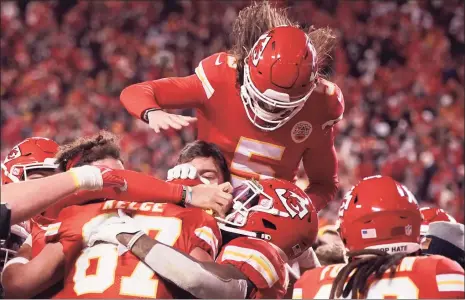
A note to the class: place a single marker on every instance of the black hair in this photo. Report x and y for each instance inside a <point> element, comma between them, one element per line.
<point>204,149</point>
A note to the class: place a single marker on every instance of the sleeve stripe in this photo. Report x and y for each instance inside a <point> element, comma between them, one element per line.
<point>206,234</point>
<point>205,83</point>
<point>332,122</point>
<point>450,282</point>
<point>52,229</point>
<point>297,293</point>
<point>255,259</point>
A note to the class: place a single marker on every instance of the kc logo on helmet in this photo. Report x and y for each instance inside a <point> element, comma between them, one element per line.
<point>14,153</point>
<point>294,204</point>
<point>259,47</point>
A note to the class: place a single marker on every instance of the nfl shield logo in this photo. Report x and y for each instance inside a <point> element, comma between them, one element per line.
<point>408,230</point>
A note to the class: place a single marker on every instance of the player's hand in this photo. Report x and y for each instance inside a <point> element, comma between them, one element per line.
<point>182,171</point>
<point>97,177</point>
<point>212,196</point>
<point>161,120</point>
<point>108,230</point>
<point>112,180</point>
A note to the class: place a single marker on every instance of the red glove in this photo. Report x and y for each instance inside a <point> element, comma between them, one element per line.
<point>96,178</point>
<point>111,180</point>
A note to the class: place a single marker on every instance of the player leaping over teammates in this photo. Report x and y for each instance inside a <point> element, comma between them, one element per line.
<point>263,102</point>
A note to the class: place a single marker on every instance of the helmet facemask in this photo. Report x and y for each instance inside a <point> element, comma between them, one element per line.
<point>19,172</point>
<point>248,198</point>
<point>271,109</point>
<point>9,248</point>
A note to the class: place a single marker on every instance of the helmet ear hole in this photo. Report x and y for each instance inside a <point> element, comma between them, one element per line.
<point>268,224</point>
<point>356,199</point>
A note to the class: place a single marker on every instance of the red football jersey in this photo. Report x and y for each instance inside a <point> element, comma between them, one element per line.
<point>249,151</point>
<point>417,277</point>
<point>260,262</point>
<point>99,272</point>
<point>38,227</point>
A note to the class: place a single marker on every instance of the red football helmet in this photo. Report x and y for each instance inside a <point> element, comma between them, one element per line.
<point>274,210</point>
<point>280,73</point>
<point>32,153</point>
<point>380,213</point>
<point>433,214</point>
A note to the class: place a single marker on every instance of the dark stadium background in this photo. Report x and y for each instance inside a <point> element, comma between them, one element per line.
<point>398,63</point>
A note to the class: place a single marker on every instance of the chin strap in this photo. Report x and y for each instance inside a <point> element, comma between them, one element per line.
<point>258,235</point>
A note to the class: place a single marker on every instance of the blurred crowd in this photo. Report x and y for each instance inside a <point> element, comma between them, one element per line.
<point>398,63</point>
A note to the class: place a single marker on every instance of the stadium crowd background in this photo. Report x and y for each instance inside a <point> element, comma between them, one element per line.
<point>398,63</point>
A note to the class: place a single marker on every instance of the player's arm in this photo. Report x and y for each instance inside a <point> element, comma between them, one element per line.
<point>166,93</point>
<point>49,190</point>
<point>321,167</point>
<point>205,280</point>
<point>23,255</point>
<point>320,160</point>
<point>24,279</point>
<point>192,91</point>
<point>142,187</point>
<point>139,188</point>
<point>450,280</point>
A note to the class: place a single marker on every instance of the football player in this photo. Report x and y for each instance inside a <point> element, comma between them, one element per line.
<point>433,214</point>
<point>31,159</point>
<point>379,223</point>
<point>104,151</point>
<point>34,159</point>
<point>200,159</point>
<point>446,239</point>
<point>272,221</point>
<point>23,178</point>
<point>101,271</point>
<point>263,103</point>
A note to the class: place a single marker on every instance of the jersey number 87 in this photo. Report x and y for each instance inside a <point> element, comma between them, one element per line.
<point>141,282</point>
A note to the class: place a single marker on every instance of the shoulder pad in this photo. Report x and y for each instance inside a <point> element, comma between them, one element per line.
<point>215,70</point>
<point>257,259</point>
<point>334,102</point>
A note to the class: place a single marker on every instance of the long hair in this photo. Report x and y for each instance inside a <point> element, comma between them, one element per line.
<point>86,150</point>
<point>258,18</point>
<point>364,267</point>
